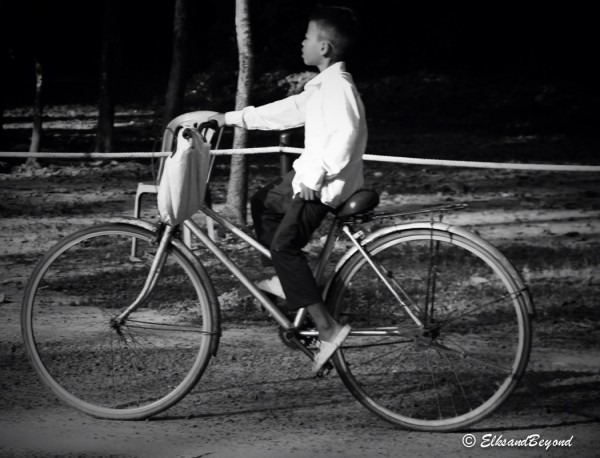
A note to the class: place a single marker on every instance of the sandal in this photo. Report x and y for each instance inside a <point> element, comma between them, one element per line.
<point>327,349</point>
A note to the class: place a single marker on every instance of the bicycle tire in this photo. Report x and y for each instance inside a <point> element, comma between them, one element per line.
<point>127,372</point>
<point>476,340</point>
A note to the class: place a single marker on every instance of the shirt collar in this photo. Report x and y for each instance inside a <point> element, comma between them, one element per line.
<point>337,68</point>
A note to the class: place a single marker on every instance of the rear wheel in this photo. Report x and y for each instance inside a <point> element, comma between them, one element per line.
<point>122,371</point>
<point>476,338</point>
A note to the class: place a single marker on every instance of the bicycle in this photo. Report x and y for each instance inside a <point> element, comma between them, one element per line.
<point>441,320</point>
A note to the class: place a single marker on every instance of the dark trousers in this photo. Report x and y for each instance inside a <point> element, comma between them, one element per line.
<point>284,224</point>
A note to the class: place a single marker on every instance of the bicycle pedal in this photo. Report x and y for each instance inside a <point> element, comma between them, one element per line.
<point>325,370</point>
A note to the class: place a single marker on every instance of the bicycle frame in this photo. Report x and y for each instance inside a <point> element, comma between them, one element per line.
<point>291,328</point>
<point>319,270</point>
<point>288,326</point>
<point>281,318</point>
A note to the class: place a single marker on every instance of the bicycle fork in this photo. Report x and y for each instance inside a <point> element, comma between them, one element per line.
<point>155,270</point>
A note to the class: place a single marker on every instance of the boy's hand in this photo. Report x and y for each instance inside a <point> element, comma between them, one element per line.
<point>219,117</point>
<point>184,142</point>
<point>307,193</point>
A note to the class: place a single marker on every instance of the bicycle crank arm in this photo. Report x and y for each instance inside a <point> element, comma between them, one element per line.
<point>290,336</point>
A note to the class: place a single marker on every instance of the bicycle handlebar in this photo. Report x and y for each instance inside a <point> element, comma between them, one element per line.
<point>210,124</point>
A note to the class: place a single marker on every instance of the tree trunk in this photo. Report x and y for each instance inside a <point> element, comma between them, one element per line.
<point>2,89</point>
<point>106,102</point>
<point>36,133</point>
<point>3,64</point>
<point>2,85</point>
<point>177,76</point>
<point>237,191</point>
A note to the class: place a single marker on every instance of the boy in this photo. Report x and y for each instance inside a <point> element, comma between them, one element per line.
<point>329,171</point>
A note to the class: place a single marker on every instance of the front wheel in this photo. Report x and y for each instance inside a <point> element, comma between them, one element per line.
<point>128,370</point>
<point>472,350</point>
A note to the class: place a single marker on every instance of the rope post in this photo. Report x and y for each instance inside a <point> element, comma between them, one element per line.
<point>285,161</point>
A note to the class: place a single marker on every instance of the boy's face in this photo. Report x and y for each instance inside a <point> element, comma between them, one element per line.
<point>312,46</point>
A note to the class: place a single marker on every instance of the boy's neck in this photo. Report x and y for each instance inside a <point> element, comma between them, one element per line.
<point>326,64</point>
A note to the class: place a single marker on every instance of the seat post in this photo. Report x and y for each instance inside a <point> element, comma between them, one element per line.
<point>326,253</point>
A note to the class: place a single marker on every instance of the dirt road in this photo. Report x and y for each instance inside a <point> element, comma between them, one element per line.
<point>258,398</point>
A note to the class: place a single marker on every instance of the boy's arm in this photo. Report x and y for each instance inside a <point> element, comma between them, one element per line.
<point>280,115</point>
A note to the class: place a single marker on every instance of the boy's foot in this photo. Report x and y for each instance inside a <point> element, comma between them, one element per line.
<point>327,348</point>
<point>272,286</point>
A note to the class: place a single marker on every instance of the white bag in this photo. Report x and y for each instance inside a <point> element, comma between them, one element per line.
<point>183,183</point>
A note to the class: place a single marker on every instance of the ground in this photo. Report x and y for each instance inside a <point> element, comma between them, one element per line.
<point>547,223</point>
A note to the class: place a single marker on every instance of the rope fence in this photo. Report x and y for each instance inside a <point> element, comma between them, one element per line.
<point>287,149</point>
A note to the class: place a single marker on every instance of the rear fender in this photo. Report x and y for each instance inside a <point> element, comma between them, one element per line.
<point>520,284</point>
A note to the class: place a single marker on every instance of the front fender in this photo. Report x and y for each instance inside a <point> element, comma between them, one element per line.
<point>135,222</point>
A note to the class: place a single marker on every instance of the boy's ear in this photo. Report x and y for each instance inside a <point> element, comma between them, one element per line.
<point>325,48</point>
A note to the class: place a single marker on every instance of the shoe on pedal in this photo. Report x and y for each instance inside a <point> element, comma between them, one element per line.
<point>272,286</point>
<point>327,349</point>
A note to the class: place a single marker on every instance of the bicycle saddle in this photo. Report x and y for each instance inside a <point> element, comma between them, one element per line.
<point>361,201</point>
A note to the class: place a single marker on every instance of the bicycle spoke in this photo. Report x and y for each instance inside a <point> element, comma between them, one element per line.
<point>166,327</point>
<point>470,355</point>
<point>450,373</point>
<point>394,360</point>
<point>435,393</point>
<point>477,309</point>
<point>126,370</point>
<point>458,382</point>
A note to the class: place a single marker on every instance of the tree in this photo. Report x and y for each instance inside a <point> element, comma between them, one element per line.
<point>237,190</point>
<point>177,76</point>
<point>38,108</point>
<point>3,64</point>
<point>106,101</point>
<point>36,133</point>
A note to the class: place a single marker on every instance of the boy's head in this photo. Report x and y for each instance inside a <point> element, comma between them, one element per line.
<point>336,31</point>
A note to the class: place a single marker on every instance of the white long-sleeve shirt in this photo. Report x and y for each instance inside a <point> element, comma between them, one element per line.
<point>335,137</point>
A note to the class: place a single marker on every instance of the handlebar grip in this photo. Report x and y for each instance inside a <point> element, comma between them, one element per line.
<point>210,124</point>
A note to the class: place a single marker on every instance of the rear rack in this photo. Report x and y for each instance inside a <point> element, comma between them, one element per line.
<point>405,213</point>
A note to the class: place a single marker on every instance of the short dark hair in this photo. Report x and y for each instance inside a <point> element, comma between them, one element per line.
<point>343,25</point>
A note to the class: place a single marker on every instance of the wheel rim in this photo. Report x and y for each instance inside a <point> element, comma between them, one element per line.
<point>129,371</point>
<point>425,381</point>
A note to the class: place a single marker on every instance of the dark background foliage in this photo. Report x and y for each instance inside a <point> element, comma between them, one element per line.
<point>554,41</point>
<point>519,68</point>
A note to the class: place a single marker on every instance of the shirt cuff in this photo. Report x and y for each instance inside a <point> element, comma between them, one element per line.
<point>234,118</point>
<point>313,178</point>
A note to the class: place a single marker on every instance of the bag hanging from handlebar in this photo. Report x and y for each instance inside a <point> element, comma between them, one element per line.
<point>183,183</point>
